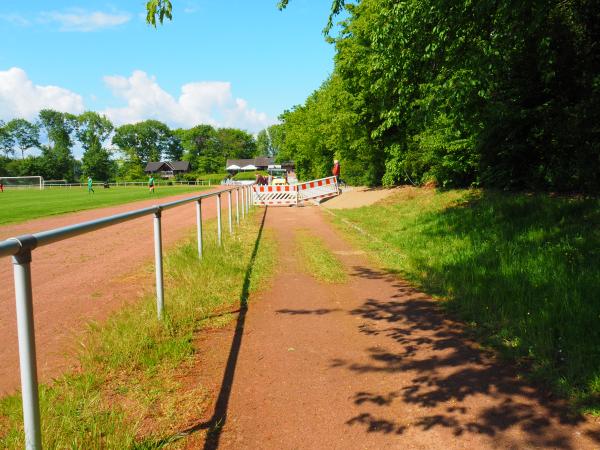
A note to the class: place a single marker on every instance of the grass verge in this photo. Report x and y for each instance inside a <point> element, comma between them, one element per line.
<point>19,205</point>
<point>522,270</point>
<point>132,388</point>
<point>317,260</point>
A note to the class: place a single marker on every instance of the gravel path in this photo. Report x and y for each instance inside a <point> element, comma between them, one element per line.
<point>82,279</point>
<point>368,364</point>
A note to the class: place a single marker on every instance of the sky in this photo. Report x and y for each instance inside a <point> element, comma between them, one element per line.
<point>228,63</point>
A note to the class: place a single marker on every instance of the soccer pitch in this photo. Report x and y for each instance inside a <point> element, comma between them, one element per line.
<point>19,205</point>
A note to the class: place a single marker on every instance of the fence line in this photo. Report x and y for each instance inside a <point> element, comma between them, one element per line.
<point>21,249</point>
<point>121,184</point>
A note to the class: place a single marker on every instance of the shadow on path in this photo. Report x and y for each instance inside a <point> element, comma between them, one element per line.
<point>215,424</point>
<point>447,380</point>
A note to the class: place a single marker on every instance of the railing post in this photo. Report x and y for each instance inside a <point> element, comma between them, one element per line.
<point>247,199</point>
<point>219,218</point>
<point>243,195</point>
<point>26,333</point>
<point>160,302</point>
<point>199,225</point>
<point>230,219</point>
<point>237,206</point>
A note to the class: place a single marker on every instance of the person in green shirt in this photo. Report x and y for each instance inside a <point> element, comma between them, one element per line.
<point>151,184</point>
<point>90,186</point>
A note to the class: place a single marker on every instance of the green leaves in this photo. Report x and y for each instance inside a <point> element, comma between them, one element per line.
<point>158,10</point>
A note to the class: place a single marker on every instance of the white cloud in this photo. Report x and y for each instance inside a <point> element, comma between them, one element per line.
<point>82,20</point>
<point>16,19</point>
<point>209,102</point>
<point>19,97</point>
<point>141,98</point>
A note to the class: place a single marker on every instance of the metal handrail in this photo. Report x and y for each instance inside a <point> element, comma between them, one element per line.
<point>21,248</point>
<point>12,246</point>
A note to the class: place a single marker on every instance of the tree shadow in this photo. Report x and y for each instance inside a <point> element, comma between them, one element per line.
<point>215,424</point>
<point>306,312</point>
<point>453,383</point>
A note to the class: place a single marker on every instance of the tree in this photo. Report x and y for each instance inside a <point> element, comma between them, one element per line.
<point>201,148</point>
<point>263,144</point>
<point>92,131</point>
<point>151,140</point>
<point>143,142</point>
<point>7,143</point>
<point>24,134</point>
<point>58,159</point>
<point>158,10</point>
<point>235,143</point>
<point>276,139</point>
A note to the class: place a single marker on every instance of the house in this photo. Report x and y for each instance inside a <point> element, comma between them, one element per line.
<point>167,169</point>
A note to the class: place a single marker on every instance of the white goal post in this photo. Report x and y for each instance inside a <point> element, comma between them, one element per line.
<point>23,182</point>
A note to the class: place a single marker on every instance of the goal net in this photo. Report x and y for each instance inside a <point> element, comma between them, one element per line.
<point>23,182</point>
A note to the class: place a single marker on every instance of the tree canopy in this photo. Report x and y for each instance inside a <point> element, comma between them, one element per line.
<point>458,93</point>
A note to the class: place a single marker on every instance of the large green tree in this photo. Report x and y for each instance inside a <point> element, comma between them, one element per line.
<point>7,144</point>
<point>24,134</point>
<point>201,148</point>
<point>235,143</point>
<point>58,159</point>
<point>151,140</point>
<point>92,131</point>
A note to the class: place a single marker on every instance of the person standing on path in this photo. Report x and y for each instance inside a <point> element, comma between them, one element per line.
<point>90,186</point>
<point>151,184</point>
<point>336,170</point>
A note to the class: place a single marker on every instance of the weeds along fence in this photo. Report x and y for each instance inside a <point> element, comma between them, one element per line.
<point>21,248</point>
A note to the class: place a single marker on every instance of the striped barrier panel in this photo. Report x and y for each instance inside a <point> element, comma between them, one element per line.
<point>275,195</point>
<point>318,189</point>
<point>315,190</point>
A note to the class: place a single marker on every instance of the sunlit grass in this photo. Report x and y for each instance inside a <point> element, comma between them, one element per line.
<point>524,270</point>
<point>129,389</point>
<point>317,260</point>
<point>19,205</point>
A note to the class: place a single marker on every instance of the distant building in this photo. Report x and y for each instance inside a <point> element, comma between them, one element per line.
<point>167,169</point>
<point>260,163</point>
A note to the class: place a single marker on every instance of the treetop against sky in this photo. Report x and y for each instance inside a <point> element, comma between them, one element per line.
<point>235,63</point>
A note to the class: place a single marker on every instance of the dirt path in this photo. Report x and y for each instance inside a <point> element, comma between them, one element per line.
<point>83,279</point>
<point>358,196</point>
<point>369,364</point>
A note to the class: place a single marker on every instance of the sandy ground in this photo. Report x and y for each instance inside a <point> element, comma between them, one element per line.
<point>83,278</point>
<point>368,364</point>
<point>357,197</point>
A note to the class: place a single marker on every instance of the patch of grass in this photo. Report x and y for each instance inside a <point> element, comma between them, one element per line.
<point>19,205</point>
<point>136,383</point>
<point>317,259</point>
<point>523,269</point>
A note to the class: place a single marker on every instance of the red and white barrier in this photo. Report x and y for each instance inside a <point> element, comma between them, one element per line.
<point>275,195</point>
<point>292,195</point>
<point>318,189</point>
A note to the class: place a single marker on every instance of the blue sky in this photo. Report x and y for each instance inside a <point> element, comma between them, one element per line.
<point>224,62</point>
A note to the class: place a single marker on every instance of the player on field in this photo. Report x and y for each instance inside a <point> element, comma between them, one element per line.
<point>90,186</point>
<point>151,184</point>
<point>1,186</point>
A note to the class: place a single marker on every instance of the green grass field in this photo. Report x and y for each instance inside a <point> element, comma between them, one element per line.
<point>19,205</point>
<point>522,270</point>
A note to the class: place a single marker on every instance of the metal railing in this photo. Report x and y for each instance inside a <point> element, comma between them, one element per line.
<point>21,248</point>
<point>122,184</point>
